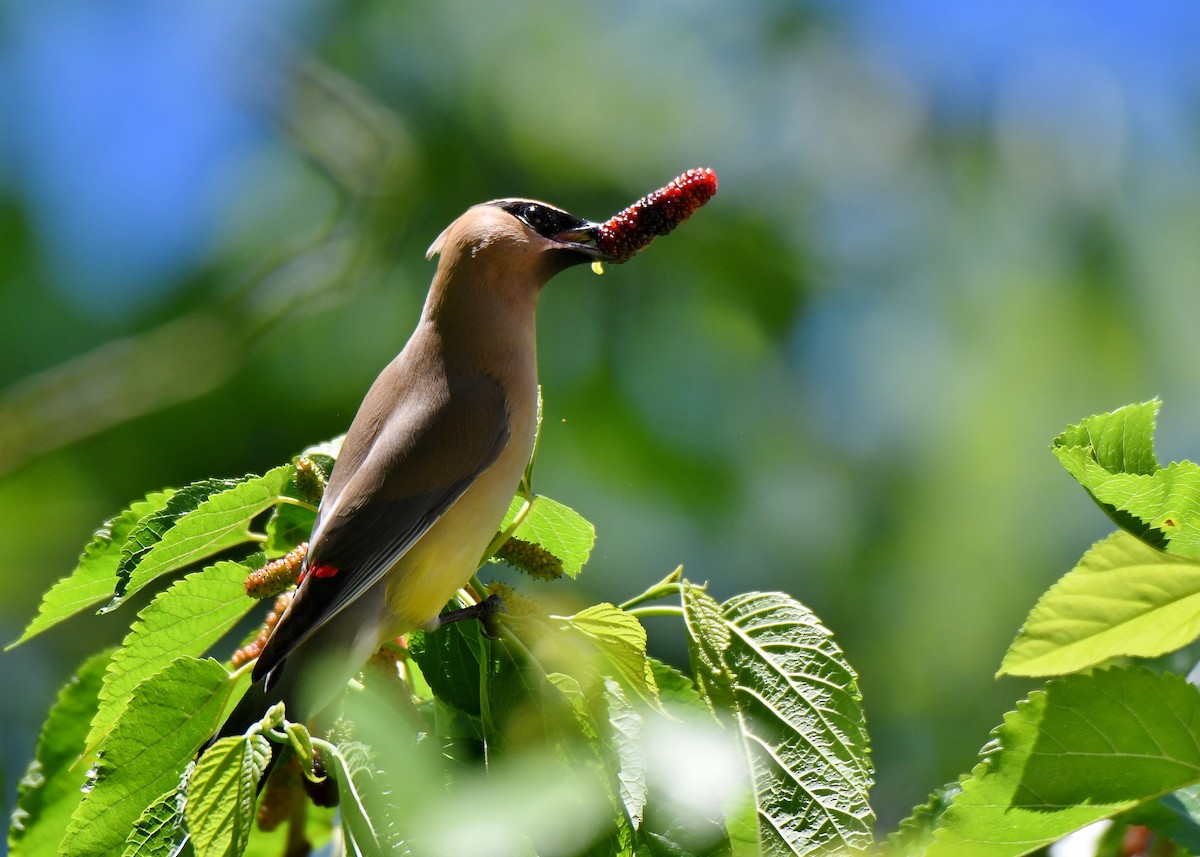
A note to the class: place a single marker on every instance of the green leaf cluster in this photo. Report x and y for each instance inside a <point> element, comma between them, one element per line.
<point>559,735</point>
<point>1109,738</point>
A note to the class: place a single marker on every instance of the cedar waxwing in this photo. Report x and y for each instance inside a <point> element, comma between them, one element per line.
<point>432,459</point>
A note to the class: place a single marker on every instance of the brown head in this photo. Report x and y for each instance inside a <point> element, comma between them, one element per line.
<point>523,241</point>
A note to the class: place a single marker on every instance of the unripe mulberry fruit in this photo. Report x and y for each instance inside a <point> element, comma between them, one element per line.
<point>252,650</point>
<point>515,604</point>
<point>531,558</point>
<point>628,231</point>
<point>277,575</point>
<point>310,479</point>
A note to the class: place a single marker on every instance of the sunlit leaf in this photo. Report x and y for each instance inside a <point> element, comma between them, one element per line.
<point>185,619</point>
<point>221,794</point>
<point>708,637</point>
<point>50,790</point>
<point>95,576</point>
<point>1124,598</point>
<point>160,830</point>
<point>1112,456</point>
<point>221,521</point>
<point>800,714</point>
<point>150,529</point>
<point>558,528</point>
<point>1085,748</point>
<point>625,737</point>
<point>621,638</point>
<point>169,716</point>
<point>915,834</point>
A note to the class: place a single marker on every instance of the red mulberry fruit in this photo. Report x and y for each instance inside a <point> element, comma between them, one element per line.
<point>628,231</point>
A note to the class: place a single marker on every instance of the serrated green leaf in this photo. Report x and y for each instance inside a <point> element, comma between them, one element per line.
<point>1124,598</point>
<point>218,523</point>
<point>49,791</point>
<point>799,710</point>
<point>449,659</point>
<point>625,736</point>
<point>708,638</point>
<point>150,529</point>
<point>183,620</point>
<point>915,834</point>
<point>1120,442</point>
<point>95,576</point>
<point>557,528</point>
<point>621,638</point>
<point>1084,749</point>
<point>1112,457</point>
<point>343,763</point>
<point>221,794</point>
<point>674,688</point>
<point>169,716</point>
<point>160,830</point>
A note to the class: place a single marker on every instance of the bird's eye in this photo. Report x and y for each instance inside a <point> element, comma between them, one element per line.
<point>534,216</point>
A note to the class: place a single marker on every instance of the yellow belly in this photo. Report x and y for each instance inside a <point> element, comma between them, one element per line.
<point>443,560</point>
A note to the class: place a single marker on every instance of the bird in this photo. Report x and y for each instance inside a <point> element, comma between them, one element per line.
<point>431,460</point>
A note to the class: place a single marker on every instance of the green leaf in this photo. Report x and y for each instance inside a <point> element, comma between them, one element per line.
<point>557,528</point>
<point>621,638</point>
<point>625,737</point>
<point>221,794</point>
<point>1085,748</point>
<point>292,524</point>
<point>799,710</point>
<point>1118,442</point>
<point>345,763</point>
<point>169,716</point>
<point>150,529</point>
<point>159,830</point>
<point>1124,598</point>
<point>449,659</point>
<point>708,638</point>
<point>218,523</point>
<point>1112,456</point>
<point>184,620</point>
<point>49,791</point>
<point>915,833</point>
<point>95,576</point>
<point>674,688</point>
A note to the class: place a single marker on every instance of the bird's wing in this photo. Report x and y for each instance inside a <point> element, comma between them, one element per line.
<point>432,449</point>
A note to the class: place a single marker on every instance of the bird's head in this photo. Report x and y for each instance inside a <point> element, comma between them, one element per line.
<point>520,236</point>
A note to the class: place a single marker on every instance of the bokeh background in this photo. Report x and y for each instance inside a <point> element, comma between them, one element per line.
<point>944,232</point>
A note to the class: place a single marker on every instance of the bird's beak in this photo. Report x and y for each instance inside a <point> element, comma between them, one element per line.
<point>583,240</point>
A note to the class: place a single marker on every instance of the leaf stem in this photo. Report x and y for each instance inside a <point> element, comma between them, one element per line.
<point>669,585</point>
<point>660,610</point>
<point>293,501</point>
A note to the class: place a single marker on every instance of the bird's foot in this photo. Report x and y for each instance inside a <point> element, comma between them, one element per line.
<point>485,611</point>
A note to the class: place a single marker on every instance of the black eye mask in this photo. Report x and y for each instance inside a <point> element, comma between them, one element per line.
<point>543,219</point>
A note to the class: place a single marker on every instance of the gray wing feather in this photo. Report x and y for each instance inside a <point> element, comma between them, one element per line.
<point>423,457</point>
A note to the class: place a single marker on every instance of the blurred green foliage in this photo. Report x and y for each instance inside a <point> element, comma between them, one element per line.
<point>840,379</point>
